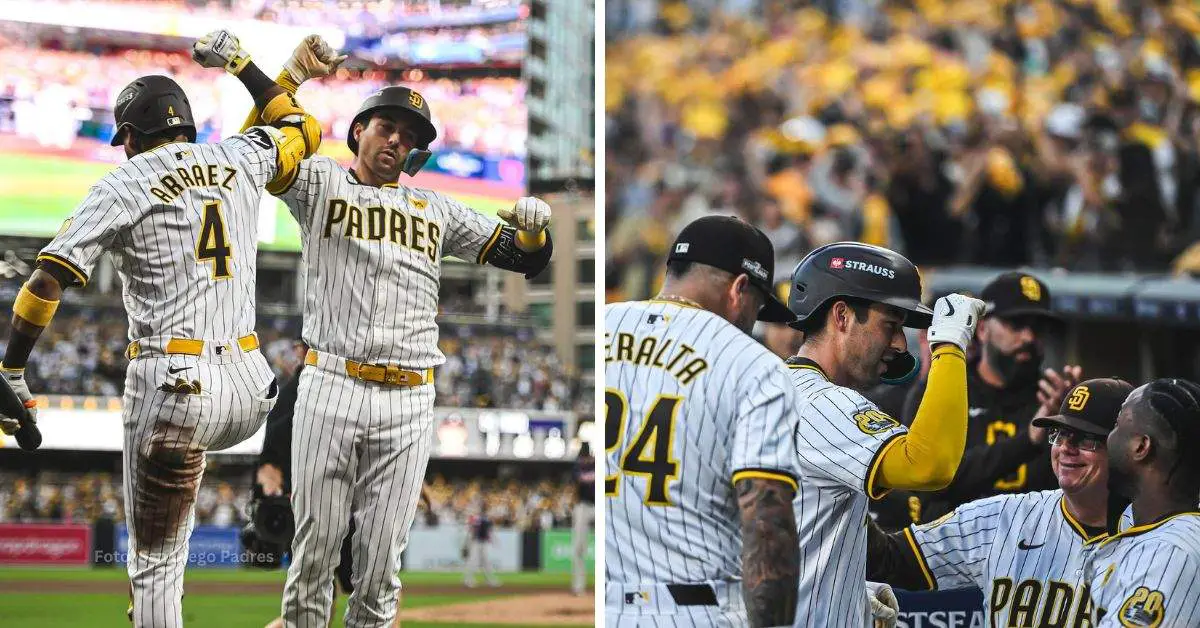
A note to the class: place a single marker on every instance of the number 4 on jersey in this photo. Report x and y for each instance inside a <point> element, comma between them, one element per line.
<point>649,454</point>
<point>213,244</point>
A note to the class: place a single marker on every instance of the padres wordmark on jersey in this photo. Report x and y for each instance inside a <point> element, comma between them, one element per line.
<point>1024,551</point>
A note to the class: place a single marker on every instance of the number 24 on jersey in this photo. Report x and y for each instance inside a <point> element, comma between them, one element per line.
<point>649,455</point>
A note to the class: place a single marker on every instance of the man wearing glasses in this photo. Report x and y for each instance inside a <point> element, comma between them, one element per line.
<point>1006,388</point>
<point>1022,550</point>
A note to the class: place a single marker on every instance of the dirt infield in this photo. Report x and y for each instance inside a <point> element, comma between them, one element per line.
<point>540,609</point>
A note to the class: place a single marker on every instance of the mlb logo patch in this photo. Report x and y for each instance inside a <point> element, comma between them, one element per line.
<point>837,263</point>
<point>637,598</point>
<point>682,247</point>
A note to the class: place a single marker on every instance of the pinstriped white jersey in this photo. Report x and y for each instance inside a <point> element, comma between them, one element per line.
<point>840,438</point>
<point>690,400</point>
<point>1148,575</point>
<point>372,262</point>
<point>181,225</point>
<point>1025,551</point>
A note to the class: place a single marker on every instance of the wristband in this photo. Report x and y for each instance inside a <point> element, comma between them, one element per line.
<point>33,308</point>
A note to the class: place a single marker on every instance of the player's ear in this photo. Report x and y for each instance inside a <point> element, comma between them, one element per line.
<point>981,332</point>
<point>840,311</point>
<point>739,291</point>
<point>1142,448</point>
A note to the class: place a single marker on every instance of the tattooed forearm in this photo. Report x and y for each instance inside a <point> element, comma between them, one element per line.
<point>770,551</point>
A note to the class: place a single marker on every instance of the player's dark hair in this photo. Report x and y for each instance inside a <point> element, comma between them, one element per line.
<point>1171,417</point>
<point>149,141</point>
<point>816,322</point>
<point>678,269</point>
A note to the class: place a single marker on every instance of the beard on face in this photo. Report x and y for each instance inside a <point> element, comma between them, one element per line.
<point>746,322</point>
<point>865,359</point>
<point>1016,372</point>
<point>1121,481</point>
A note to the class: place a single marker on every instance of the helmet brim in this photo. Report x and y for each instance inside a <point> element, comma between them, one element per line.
<point>774,311</point>
<point>425,131</point>
<point>916,314</point>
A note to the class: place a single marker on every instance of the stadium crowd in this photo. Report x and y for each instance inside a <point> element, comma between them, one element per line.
<point>355,16</point>
<point>86,350</point>
<point>1047,133</point>
<point>81,498</point>
<point>483,115</point>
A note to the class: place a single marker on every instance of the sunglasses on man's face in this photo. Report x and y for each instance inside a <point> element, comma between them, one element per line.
<point>1037,324</point>
<point>1081,440</point>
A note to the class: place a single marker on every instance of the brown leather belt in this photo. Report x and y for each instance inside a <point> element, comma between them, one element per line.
<point>386,374</point>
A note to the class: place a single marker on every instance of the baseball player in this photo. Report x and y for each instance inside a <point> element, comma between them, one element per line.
<point>698,424</point>
<point>273,479</point>
<point>1149,574</point>
<point>372,252</point>
<point>1024,551</point>
<point>475,546</point>
<point>180,220</point>
<point>583,516</point>
<point>852,301</point>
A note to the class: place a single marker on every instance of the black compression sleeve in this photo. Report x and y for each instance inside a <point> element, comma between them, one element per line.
<point>260,86</point>
<point>505,254</point>
<point>891,559</point>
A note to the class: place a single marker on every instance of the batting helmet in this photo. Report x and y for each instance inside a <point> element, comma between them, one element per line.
<point>856,270</point>
<point>859,271</point>
<point>415,108</point>
<point>151,104</point>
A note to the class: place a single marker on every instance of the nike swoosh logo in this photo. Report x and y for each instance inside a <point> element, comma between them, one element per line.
<point>974,412</point>
<point>949,308</point>
<point>1025,546</point>
<point>174,371</point>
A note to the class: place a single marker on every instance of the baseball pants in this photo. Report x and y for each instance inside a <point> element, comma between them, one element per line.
<point>478,561</point>
<point>582,518</point>
<point>177,406</point>
<point>358,448</point>
<point>628,605</point>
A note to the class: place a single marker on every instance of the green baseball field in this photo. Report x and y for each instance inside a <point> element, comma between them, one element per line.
<point>80,597</point>
<point>38,192</point>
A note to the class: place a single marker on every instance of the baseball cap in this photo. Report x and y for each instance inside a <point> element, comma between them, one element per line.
<point>1091,406</point>
<point>1016,294</point>
<point>737,247</point>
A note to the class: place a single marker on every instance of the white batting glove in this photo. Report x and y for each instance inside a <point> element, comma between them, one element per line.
<point>885,609</point>
<point>529,214</point>
<point>313,58</point>
<point>16,380</point>
<point>220,49</point>
<point>954,320</point>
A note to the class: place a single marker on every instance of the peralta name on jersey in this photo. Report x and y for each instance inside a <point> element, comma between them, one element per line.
<point>657,353</point>
<point>384,223</point>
